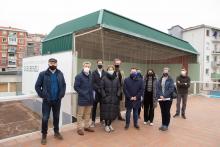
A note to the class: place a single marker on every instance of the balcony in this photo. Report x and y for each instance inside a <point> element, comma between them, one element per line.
<point>216,52</point>
<point>215,64</point>
<point>215,75</point>
<point>12,41</point>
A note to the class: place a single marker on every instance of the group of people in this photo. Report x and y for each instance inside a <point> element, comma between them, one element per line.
<point>108,88</point>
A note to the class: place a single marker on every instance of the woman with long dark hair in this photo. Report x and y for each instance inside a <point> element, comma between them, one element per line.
<point>150,100</point>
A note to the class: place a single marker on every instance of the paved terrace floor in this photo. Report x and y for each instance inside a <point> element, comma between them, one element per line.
<point>200,129</point>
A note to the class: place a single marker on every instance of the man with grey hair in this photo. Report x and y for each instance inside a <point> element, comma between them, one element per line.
<point>83,86</point>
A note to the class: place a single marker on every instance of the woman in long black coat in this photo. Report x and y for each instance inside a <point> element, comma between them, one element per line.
<point>110,98</point>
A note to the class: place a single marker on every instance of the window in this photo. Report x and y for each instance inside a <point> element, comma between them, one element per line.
<point>12,49</point>
<point>207,71</point>
<point>207,58</point>
<point>21,34</point>
<point>12,34</point>
<point>4,39</point>
<point>4,55</point>
<point>4,48</point>
<point>20,55</point>
<point>207,32</point>
<point>215,58</point>
<point>3,61</point>
<point>21,41</point>
<point>4,33</point>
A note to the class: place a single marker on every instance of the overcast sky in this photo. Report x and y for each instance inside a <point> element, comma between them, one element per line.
<point>41,16</point>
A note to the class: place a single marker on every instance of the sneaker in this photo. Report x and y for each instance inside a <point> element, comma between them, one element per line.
<point>183,116</point>
<point>111,128</point>
<point>176,115</point>
<point>103,123</point>
<point>80,132</point>
<point>151,124</point>
<point>107,129</point>
<point>161,127</point>
<point>89,130</point>
<point>145,123</point>
<point>44,139</point>
<point>58,136</point>
<point>137,127</point>
<point>92,124</point>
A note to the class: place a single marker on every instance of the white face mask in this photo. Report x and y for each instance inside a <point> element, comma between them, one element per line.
<point>183,73</point>
<point>86,70</point>
<point>165,71</point>
<point>111,72</point>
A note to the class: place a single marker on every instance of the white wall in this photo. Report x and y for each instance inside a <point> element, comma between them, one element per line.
<point>32,66</point>
<point>197,39</point>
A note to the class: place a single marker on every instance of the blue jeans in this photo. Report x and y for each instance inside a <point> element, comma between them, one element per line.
<point>46,108</point>
<point>135,116</point>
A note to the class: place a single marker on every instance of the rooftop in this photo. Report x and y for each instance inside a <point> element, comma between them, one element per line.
<point>200,129</point>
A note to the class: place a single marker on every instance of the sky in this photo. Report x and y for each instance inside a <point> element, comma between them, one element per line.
<point>41,16</point>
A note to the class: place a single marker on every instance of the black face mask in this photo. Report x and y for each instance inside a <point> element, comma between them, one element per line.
<point>165,74</point>
<point>99,66</point>
<point>52,67</point>
<point>117,66</point>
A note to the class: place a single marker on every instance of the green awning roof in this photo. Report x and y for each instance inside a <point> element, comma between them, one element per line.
<point>115,22</point>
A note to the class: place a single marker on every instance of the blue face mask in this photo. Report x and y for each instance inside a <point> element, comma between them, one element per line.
<point>133,75</point>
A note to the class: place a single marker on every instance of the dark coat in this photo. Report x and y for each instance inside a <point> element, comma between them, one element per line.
<point>43,84</point>
<point>83,86</point>
<point>110,97</point>
<point>154,86</point>
<point>182,88</point>
<point>96,82</point>
<point>169,88</point>
<point>133,87</point>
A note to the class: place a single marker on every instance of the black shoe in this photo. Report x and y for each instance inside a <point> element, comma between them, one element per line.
<point>126,127</point>
<point>164,128</point>
<point>183,116</point>
<point>176,115</point>
<point>137,127</point>
<point>121,119</point>
<point>161,127</point>
<point>44,139</point>
<point>58,136</point>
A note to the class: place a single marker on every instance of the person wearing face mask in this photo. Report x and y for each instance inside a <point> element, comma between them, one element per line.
<point>51,87</point>
<point>83,86</point>
<point>139,75</point>
<point>150,100</point>
<point>164,93</point>
<point>133,90</point>
<point>183,84</point>
<point>120,75</point>
<point>97,77</point>
<point>110,97</point>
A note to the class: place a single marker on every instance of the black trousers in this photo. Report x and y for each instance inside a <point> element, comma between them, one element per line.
<point>108,122</point>
<point>95,103</point>
<point>46,108</point>
<point>148,107</point>
<point>165,112</point>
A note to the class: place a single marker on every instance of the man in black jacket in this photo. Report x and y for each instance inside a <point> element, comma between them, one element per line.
<point>97,76</point>
<point>51,87</point>
<point>120,75</point>
<point>183,84</point>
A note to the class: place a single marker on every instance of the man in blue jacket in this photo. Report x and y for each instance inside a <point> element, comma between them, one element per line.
<point>83,86</point>
<point>51,87</point>
<point>133,90</point>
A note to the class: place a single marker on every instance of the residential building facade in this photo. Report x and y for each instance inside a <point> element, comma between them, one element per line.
<point>13,45</point>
